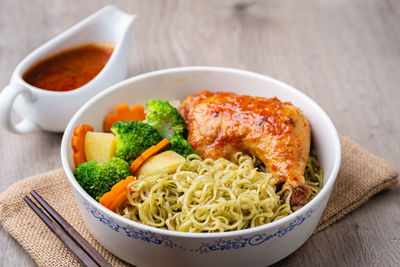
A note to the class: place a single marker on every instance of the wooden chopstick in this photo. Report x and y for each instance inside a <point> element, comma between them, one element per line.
<point>84,252</point>
<point>68,242</point>
<point>71,231</point>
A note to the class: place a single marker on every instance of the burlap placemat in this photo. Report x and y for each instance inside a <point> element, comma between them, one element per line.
<point>361,175</point>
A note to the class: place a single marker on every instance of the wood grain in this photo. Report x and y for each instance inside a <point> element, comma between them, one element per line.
<point>343,54</point>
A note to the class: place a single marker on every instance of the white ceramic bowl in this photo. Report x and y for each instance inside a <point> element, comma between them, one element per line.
<point>143,245</point>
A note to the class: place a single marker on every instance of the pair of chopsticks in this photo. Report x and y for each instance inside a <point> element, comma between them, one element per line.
<point>85,253</point>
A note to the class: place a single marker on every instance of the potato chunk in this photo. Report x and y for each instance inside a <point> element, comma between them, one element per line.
<point>167,160</point>
<point>99,146</point>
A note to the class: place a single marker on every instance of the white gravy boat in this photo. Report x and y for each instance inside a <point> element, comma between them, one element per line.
<point>51,110</point>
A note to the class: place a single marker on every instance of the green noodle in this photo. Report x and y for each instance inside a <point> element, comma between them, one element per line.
<point>313,175</point>
<point>213,195</point>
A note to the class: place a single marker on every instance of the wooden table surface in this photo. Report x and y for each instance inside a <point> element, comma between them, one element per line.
<point>343,54</point>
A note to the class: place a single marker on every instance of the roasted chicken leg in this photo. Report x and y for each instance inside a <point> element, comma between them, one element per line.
<point>277,133</point>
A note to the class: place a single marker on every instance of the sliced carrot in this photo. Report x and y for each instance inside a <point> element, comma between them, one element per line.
<point>147,154</point>
<point>124,113</point>
<point>107,199</point>
<point>136,164</point>
<point>117,195</point>
<point>118,201</point>
<point>78,143</point>
<point>121,187</point>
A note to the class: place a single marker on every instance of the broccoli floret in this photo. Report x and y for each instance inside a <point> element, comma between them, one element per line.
<point>179,144</point>
<point>97,178</point>
<point>133,138</point>
<point>164,118</point>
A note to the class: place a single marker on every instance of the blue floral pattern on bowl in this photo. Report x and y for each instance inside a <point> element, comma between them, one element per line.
<point>221,244</point>
<point>254,240</point>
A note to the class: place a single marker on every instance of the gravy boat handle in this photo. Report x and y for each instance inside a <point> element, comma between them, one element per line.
<point>7,98</point>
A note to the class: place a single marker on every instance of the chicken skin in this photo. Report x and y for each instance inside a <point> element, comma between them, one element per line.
<point>277,133</point>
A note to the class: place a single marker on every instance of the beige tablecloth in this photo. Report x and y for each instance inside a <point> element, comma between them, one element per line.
<point>361,175</point>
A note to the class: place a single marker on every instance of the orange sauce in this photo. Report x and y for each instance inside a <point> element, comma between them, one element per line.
<point>69,69</point>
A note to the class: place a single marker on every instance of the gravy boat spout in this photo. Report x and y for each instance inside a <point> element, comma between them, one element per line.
<point>51,110</point>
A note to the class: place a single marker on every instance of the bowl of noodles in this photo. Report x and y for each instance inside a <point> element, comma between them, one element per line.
<point>210,209</point>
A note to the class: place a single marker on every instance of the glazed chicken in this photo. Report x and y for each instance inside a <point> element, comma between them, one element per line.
<point>277,133</point>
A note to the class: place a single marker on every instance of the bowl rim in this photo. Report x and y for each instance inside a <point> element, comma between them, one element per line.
<point>325,192</point>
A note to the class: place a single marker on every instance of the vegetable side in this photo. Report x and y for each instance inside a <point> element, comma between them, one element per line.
<point>135,133</point>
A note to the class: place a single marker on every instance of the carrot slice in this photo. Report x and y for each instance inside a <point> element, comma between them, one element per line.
<point>119,199</point>
<point>124,113</point>
<point>78,143</point>
<point>107,199</point>
<point>147,154</point>
<point>117,195</point>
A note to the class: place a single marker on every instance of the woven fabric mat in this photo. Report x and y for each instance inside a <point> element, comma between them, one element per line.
<point>361,175</point>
